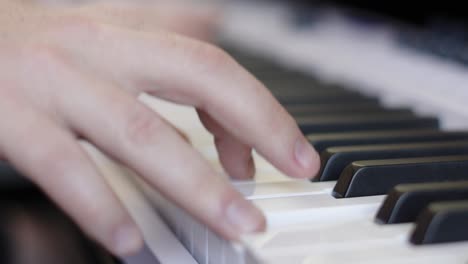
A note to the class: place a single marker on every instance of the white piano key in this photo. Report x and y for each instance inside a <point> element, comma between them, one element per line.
<point>234,253</point>
<point>319,233</point>
<point>264,190</point>
<point>380,252</point>
<point>171,213</point>
<point>308,236</point>
<point>215,248</point>
<point>287,210</point>
<point>188,230</point>
<point>199,242</point>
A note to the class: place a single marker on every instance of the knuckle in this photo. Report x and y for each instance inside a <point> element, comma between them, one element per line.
<point>142,127</point>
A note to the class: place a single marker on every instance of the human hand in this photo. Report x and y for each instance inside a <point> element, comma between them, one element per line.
<point>66,75</point>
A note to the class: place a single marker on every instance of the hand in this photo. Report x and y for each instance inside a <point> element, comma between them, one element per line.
<point>65,74</point>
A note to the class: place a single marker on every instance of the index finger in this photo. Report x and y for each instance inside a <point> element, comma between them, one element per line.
<point>190,72</point>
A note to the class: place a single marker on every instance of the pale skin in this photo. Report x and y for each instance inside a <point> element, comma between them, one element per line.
<point>68,73</point>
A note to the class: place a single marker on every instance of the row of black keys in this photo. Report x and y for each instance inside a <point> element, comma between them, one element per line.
<point>372,150</point>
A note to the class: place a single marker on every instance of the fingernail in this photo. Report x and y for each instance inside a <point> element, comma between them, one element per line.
<point>127,240</point>
<point>244,217</point>
<point>306,155</point>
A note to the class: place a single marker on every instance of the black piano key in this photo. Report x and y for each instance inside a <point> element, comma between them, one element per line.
<point>355,116</point>
<point>290,85</point>
<point>335,159</point>
<point>323,108</point>
<point>277,82</point>
<point>335,98</point>
<point>406,201</point>
<point>323,141</point>
<point>312,90</point>
<point>386,112</point>
<point>441,223</point>
<point>364,122</point>
<point>377,177</point>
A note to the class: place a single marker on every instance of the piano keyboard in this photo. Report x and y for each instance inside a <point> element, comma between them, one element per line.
<point>393,184</point>
<point>389,125</point>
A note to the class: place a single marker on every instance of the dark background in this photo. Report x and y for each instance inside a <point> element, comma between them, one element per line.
<point>409,11</point>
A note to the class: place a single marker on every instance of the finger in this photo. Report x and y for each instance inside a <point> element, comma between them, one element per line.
<point>146,143</point>
<point>190,72</point>
<point>51,157</point>
<point>235,157</point>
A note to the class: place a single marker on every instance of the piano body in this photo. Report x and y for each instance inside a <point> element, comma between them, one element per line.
<point>390,119</point>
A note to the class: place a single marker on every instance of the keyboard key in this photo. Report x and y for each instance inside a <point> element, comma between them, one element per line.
<point>364,122</point>
<point>335,159</point>
<point>323,108</point>
<point>377,177</point>
<point>323,141</point>
<point>344,112</point>
<point>336,98</point>
<point>406,201</point>
<point>442,222</point>
<point>313,91</point>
